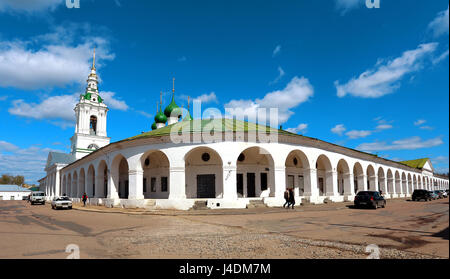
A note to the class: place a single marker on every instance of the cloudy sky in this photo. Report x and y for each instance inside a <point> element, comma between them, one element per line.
<point>370,79</point>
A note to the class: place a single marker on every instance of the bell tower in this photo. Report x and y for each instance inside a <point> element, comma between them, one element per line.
<point>91,112</point>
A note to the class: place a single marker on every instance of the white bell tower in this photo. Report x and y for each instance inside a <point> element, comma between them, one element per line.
<point>90,112</point>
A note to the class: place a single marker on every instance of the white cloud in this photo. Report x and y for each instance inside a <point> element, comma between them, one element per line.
<point>182,59</point>
<point>298,129</point>
<point>6,146</point>
<point>112,102</point>
<point>29,6</point>
<point>338,129</point>
<point>3,98</point>
<point>419,122</point>
<point>29,162</point>
<point>346,5</point>
<point>281,74</point>
<point>59,109</point>
<point>298,91</point>
<point>440,159</point>
<point>145,114</point>
<point>51,60</point>
<point>276,51</point>
<point>426,128</point>
<point>440,57</point>
<point>383,127</point>
<point>384,78</point>
<point>207,98</point>
<point>439,26</point>
<point>403,144</point>
<point>356,134</point>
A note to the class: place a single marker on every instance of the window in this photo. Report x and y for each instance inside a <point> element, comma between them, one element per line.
<point>1,198</point>
<point>164,184</point>
<point>144,183</point>
<point>93,125</point>
<point>153,184</point>
<point>93,147</point>
<point>206,157</point>
<point>263,181</point>
<point>12,198</point>
<point>301,185</point>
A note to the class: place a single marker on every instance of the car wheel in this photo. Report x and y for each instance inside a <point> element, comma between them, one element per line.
<point>384,205</point>
<point>70,207</point>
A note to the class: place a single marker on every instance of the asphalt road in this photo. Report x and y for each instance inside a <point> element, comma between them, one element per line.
<point>404,229</point>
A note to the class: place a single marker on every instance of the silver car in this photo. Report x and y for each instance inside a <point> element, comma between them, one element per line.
<point>61,202</point>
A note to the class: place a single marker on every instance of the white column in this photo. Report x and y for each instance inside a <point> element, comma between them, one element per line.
<point>376,182</point>
<point>331,178</point>
<point>57,183</point>
<point>383,185</point>
<point>310,180</point>
<point>112,188</point>
<point>177,184</point>
<point>365,186</point>
<point>351,180</point>
<point>280,181</point>
<point>230,183</point>
<point>135,185</point>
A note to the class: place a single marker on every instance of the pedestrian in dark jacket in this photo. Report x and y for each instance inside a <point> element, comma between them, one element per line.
<point>291,198</point>
<point>286,198</point>
<point>84,198</point>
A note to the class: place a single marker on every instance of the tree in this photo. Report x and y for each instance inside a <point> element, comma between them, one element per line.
<point>12,180</point>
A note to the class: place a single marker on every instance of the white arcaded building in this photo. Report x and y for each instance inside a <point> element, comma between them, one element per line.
<point>224,163</point>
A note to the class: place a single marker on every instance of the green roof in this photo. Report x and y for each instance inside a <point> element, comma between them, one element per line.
<point>221,125</point>
<point>417,164</point>
<point>173,108</point>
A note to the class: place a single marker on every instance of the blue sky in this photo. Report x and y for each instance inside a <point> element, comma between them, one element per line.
<point>371,79</point>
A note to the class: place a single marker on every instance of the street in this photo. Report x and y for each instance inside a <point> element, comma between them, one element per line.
<point>404,229</point>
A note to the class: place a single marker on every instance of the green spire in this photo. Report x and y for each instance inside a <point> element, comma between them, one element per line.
<point>154,126</point>
<point>160,117</point>
<point>173,109</point>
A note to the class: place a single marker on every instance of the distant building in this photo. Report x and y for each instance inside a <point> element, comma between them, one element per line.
<point>13,192</point>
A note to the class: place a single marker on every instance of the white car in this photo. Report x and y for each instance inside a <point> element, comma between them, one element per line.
<point>444,194</point>
<point>61,202</point>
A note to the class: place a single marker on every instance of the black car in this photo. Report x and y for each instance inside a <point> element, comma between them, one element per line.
<point>421,194</point>
<point>371,199</point>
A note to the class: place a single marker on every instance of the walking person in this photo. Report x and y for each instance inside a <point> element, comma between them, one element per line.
<point>84,198</point>
<point>291,198</point>
<point>286,198</point>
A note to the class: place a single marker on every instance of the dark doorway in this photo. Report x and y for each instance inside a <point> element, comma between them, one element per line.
<point>240,184</point>
<point>251,185</point>
<point>263,181</point>
<point>206,186</point>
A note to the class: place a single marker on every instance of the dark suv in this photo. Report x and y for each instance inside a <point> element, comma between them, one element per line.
<point>371,199</point>
<point>421,195</point>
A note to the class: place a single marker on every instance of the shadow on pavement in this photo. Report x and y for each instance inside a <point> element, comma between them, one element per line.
<point>442,234</point>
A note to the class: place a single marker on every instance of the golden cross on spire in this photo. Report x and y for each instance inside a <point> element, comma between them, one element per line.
<point>160,97</point>
<point>93,61</point>
<point>173,88</point>
<point>188,102</point>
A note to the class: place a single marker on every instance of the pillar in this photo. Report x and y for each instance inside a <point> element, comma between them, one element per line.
<point>230,183</point>
<point>135,185</point>
<point>280,181</point>
<point>177,183</point>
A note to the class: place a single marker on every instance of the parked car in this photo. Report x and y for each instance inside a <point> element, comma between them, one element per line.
<point>434,196</point>
<point>37,197</point>
<point>439,194</point>
<point>371,199</point>
<point>61,202</point>
<point>421,194</point>
<point>444,194</point>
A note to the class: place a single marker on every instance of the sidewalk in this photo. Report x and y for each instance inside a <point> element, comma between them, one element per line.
<point>262,210</point>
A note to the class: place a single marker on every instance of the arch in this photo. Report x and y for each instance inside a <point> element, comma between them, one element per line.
<point>255,173</point>
<point>324,176</point>
<point>102,180</point>
<point>93,125</point>
<point>69,185</point>
<point>90,181</point>
<point>398,183</point>
<point>81,183</point>
<point>390,182</point>
<point>74,193</point>
<point>358,177</point>
<point>371,178</point>
<point>343,176</point>
<point>405,181</point>
<point>297,173</point>
<point>381,180</point>
<point>155,165</point>
<point>120,177</point>
<point>203,173</point>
